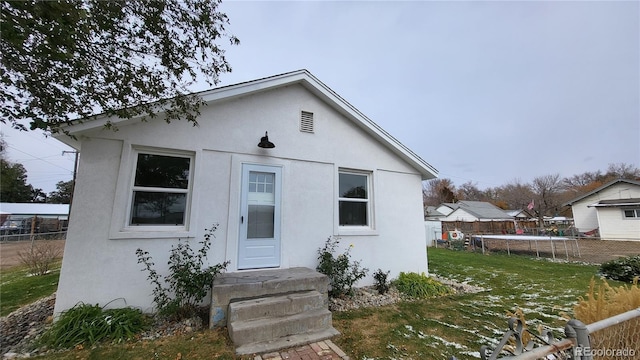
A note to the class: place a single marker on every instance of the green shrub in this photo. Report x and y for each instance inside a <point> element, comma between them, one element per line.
<point>342,273</point>
<point>382,284</point>
<point>89,324</point>
<point>179,294</point>
<point>420,285</point>
<point>623,269</point>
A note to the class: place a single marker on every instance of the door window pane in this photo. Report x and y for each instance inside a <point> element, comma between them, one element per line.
<point>260,222</point>
<point>261,182</point>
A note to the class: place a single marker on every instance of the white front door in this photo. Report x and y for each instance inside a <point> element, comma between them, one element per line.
<point>259,243</point>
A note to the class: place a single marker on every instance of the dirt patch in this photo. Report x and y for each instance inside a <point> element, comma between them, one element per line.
<point>9,251</point>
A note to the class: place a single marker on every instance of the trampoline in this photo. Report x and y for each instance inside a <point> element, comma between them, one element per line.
<point>531,238</point>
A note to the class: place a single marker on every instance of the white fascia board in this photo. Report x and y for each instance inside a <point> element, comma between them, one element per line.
<point>324,92</point>
<point>302,77</point>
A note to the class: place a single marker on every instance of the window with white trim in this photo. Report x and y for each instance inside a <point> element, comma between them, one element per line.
<point>160,194</point>
<point>631,213</point>
<point>354,198</point>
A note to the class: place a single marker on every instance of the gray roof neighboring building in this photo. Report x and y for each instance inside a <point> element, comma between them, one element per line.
<point>482,210</point>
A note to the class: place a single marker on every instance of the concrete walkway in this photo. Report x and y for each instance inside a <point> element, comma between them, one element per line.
<point>321,350</point>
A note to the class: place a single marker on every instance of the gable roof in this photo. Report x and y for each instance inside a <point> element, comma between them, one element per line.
<point>479,209</point>
<point>309,82</point>
<point>482,210</point>
<point>609,184</point>
<point>515,213</point>
<point>431,212</point>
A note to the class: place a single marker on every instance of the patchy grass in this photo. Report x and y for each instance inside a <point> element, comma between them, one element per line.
<point>436,328</point>
<point>18,287</point>
<point>458,325</point>
<point>200,345</point>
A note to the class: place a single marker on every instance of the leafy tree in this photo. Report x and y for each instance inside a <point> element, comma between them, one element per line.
<point>582,183</point>
<point>14,187</point>
<point>13,181</point>
<point>438,191</point>
<point>71,59</point>
<point>62,194</point>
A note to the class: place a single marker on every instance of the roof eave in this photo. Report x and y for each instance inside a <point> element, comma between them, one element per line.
<point>303,77</point>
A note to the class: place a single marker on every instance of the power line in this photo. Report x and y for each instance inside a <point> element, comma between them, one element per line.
<point>39,158</point>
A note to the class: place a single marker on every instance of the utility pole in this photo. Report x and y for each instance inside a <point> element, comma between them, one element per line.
<point>73,182</point>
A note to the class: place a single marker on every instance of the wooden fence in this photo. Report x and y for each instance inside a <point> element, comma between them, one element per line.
<point>489,227</point>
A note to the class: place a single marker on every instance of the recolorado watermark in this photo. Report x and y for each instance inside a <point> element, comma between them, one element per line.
<point>618,353</point>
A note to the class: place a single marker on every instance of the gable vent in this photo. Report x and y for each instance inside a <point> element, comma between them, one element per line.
<point>306,122</point>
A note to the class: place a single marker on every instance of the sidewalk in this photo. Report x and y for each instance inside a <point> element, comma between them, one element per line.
<point>322,350</point>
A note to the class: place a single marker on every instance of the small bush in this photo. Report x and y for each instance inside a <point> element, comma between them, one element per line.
<point>179,294</point>
<point>40,257</point>
<point>382,284</point>
<point>623,269</point>
<point>342,273</point>
<point>420,285</point>
<point>89,324</point>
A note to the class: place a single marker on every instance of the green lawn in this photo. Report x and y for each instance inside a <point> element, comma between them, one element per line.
<point>18,287</point>
<point>459,325</point>
<point>455,325</point>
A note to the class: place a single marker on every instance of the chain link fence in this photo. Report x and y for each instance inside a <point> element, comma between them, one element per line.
<point>617,341</point>
<point>616,337</point>
<point>585,250</point>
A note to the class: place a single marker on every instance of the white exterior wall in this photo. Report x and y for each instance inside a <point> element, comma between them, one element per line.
<point>100,264</point>
<point>585,218</point>
<point>614,226</point>
<point>433,231</point>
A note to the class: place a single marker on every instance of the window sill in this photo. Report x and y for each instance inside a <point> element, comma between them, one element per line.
<point>357,231</point>
<point>155,233</point>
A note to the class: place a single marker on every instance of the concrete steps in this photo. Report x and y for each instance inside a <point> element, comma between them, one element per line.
<point>272,309</point>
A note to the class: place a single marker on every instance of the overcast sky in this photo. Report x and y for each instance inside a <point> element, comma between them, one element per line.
<point>486,92</point>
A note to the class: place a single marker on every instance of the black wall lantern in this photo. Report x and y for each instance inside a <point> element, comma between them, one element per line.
<point>265,143</point>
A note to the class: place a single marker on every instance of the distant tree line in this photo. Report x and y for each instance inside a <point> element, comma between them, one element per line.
<point>14,187</point>
<point>546,193</point>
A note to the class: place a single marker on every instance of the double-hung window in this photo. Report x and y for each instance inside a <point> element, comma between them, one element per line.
<point>631,213</point>
<point>354,198</point>
<point>160,193</point>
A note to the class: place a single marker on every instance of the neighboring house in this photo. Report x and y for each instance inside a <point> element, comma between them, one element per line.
<point>430,213</point>
<point>446,208</point>
<point>522,214</point>
<point>332,172</point>
<point>469,211</point>
<point>613,209</point>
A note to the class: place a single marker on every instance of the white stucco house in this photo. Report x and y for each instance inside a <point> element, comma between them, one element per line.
<point>332,171</point>
<point>613,209</point>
